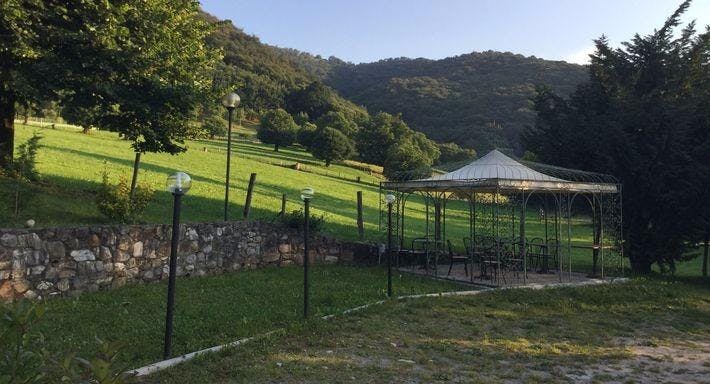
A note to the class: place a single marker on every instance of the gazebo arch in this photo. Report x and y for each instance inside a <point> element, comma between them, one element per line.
<point>503,181</point>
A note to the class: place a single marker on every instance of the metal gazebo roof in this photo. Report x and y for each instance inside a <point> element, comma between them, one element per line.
<point>498,172</point>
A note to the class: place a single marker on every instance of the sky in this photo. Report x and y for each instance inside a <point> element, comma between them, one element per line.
<point>369,30</point>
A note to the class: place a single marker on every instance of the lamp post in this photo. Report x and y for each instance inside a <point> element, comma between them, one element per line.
<point>390,200</point>
<point>178,184</point>
<point>229,101</point>
<point>306,196</point>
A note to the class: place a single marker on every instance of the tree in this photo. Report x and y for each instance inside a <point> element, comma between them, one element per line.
<point>277,128</point>
<point>376,139</point>
<point>338,120</point>
<point>315,100</point>
<point>407,161</point>
<point>142,67</point>
<point>642,117</point>
<point>306,135</point>
<point>330,145</point>
<point>78,114</point>
<point>214,126</point>
<point>453,153</point>
<point>23,63</point>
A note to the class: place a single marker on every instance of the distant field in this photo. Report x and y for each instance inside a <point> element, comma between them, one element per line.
<point>71,164</point>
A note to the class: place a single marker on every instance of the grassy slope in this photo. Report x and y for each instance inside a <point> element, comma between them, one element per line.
<point>71,163</point>
<point>214,310</point>
<point>556,335</point>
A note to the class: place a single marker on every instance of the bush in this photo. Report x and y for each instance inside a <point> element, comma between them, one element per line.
<point>114,201</point>
<point>295,220</point>
<point>24,165</point>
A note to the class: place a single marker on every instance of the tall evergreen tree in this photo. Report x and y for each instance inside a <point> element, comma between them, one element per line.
<point>643,117</point>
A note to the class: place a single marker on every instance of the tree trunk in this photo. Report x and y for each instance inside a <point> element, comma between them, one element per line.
<point>276,148</point>
<point>85,129</point>
<point>705,254</point>
<point>7,125</point>
<point>134,179</point>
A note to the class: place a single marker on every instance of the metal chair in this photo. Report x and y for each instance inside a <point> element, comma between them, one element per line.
<point>536,251</point>
<point>454,257</point>
<point>553,254</point>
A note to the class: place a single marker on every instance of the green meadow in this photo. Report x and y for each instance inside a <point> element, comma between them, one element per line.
<point>71,165</point>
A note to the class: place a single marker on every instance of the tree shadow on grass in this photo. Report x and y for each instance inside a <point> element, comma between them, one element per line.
<point>145,165</point>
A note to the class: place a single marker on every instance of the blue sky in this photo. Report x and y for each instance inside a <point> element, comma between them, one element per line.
<point>369,30</point>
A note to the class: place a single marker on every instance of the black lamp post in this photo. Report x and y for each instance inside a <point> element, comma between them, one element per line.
<point>229,101</point>
<point>306,196</point>
<point>178,184</point>
<point>390,200</point>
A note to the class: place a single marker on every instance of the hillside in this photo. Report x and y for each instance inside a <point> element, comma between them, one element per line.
<point>261,74</point>
<point>478,100</point>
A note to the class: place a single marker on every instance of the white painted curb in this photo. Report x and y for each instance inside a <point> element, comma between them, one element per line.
<point>161,365</point>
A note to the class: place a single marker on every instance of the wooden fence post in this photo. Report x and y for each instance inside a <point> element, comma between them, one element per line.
<point>250,190</point>
<point>283,206</point>
<point>360,225</point>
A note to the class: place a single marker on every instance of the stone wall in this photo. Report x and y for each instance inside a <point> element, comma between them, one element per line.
<point>68,261</point>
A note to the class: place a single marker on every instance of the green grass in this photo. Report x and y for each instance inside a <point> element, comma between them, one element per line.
<point>521,336</point>
<point>213,310</point>
<point>71,164</point>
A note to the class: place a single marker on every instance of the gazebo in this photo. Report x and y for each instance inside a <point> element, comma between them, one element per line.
<point>498,192</point>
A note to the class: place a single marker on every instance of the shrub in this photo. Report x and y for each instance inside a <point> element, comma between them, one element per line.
<point>24,166</point>
<point>295,220</point>
<point>114,200</point>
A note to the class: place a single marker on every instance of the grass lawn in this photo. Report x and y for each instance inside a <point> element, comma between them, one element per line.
<point>71,164</point>
<point>646,330</point>
<point>213,310</point>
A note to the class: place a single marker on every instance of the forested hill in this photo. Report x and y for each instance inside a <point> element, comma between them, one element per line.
<point>478,100</point>
<point>264,75</point>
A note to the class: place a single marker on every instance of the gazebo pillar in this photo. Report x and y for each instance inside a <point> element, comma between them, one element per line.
<point>595,236</point>
<point>437,232</point>
<point>523,208</point>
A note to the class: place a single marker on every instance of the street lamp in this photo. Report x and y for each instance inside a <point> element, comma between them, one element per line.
<point>229,101</point>
<point>178,184</point>
<point>390,198</point>
<point>306,196</point>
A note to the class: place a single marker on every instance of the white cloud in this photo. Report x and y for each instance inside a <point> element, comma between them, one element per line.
<point>581,56</point>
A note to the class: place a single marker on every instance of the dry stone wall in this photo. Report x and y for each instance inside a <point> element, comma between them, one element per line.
<point>69,261</point>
